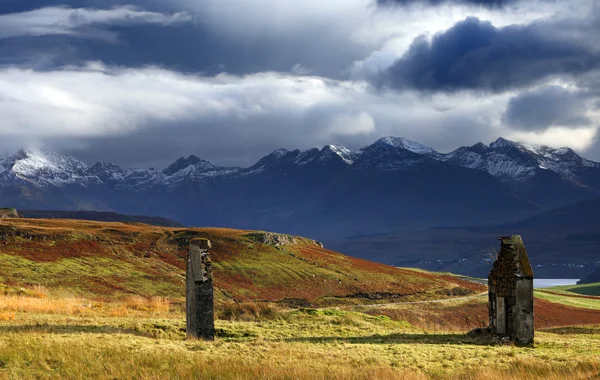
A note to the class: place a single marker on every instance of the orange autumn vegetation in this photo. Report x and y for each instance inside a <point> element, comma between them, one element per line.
<point>114,260</point>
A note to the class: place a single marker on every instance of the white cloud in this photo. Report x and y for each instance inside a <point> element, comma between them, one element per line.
<point>234,120</point>
<point>69,21</point>
<point>578,139</point>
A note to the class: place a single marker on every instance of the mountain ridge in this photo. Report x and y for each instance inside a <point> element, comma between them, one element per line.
<point>28,162</point>
<point>392,184</point>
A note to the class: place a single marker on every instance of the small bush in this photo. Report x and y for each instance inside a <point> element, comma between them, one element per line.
<point>155,303</point>
<point>39,291</point>
<point>246,311</point>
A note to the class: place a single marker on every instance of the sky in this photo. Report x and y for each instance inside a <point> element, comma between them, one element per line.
<point>143,82</point>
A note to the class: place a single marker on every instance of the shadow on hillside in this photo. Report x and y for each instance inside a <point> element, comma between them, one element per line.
<point>69,329</point>
<point>458,339</point>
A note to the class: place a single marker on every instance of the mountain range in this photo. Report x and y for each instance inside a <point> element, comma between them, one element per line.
<point>391,186</point>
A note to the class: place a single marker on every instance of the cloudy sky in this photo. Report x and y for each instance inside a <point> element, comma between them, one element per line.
<point>143,82</point>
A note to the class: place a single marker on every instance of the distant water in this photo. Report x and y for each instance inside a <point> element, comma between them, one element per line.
<point>548,282</point>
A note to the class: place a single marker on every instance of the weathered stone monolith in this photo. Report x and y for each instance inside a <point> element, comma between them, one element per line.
<point>510,285</point>
<point>199,302</point>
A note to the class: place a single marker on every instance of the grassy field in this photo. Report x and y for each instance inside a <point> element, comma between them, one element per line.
<point>83,300</point>
<point>569,300</point>
<point>43,336</point>
<point>581,296</point>
<point>584,289</point>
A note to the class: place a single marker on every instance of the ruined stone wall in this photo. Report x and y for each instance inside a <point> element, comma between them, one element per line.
<point>510,286</point>
<point>523,311</point>
<point>501,278</point>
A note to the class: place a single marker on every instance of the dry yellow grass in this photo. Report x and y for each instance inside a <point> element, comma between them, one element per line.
<point>39,291</point>
<point>39,301</point>
<point>154,303</point>
<point>7,315</point>
<point>140,338</point>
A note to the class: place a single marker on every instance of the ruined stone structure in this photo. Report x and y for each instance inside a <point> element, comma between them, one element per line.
<point>510,285</point>
<point>199,302</point>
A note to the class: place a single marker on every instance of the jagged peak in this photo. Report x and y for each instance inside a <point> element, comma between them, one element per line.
<point>341,151</point>
<point>31,160</point>
<point>396,142</point>
<point>402,143</point>
<point>501,142</point>
<point>191,160</point>
<point>104,165</point>
<point>479,146</point>
<point>278,153</point>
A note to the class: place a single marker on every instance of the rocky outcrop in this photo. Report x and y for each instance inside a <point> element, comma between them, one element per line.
<point>279,240</point>
<point>9,213</point>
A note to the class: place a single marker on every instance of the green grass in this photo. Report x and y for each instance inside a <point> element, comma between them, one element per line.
<point>115,259</point>
<point>569,301</point>
<point>584,289</point>
<point>298,344</point>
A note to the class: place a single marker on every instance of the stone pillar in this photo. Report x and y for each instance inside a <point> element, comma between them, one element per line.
<point>199,302</point>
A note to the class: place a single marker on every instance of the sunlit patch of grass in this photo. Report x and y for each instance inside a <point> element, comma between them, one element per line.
<point>583,289</point>
<point>585,303</point>
<point>125,339</point>
<point>7,315</point>
<point>39,291</point>
<point>43,303</point>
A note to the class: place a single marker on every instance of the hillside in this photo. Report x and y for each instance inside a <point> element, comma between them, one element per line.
<point>101,216</point>
<point>97,259</point>
<point>82,299</point>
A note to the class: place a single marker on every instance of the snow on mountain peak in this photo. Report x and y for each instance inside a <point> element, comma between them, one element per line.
<point>42,167</point>
<point>278,153</point>
<point>504,159</point>
<point>188,164</point>
<point>415,147</point>
<point>503,143</point>
<point>344,153</point>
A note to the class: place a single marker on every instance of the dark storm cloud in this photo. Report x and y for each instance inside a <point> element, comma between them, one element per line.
<point>198,46</point>
<point>485,3</point>
<point>15,6</point>
<point>475,55</point>
<point>546,107</point>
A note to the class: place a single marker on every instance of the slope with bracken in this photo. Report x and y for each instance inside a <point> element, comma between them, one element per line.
<point>115,259</point>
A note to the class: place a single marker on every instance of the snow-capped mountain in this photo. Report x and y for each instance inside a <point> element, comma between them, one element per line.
<point>504,159</point>
<point>402,143</point>
<point>330,154</point>
<point>511,161</point>
<point>390,184</point>
<point>393,154</point>
<point>42,168</point>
